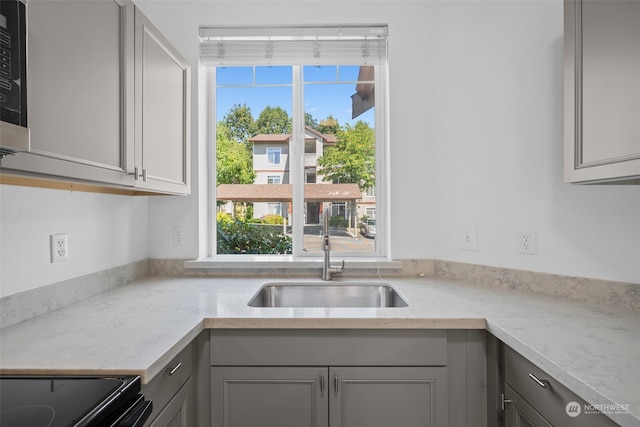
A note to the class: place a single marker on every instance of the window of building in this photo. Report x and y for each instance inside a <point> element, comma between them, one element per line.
<point>281,95</point>
<point>273,156</point>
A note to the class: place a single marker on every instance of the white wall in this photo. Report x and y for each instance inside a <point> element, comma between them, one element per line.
<point>476,140</point>
<point>103,231</point>
<point>476,130</point>
<point>497,136</point>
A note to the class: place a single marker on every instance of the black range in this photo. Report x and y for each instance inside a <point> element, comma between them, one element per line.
<point>36,401</point>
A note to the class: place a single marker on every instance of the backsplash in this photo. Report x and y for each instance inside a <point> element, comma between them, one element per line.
<point>594,292</point>
<point>25,305</point>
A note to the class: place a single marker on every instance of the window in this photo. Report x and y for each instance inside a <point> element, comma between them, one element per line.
<point>274,208</point>
<point>307,114</point>
<point>273,156</point>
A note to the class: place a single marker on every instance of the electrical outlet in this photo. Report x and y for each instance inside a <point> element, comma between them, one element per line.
<point>468,239</point>
<point>59,247</point>
<point>527,243</point>
<point>178,236</point>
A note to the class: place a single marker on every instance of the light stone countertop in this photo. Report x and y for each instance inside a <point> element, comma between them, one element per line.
<point>138,328</point>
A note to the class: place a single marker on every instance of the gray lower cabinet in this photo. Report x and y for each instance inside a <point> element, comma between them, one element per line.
<point>329,396</point>
<point>533,398</point>
<point>518,413</point>
<point>336,378</point>
<point>177,413</point>
<point>173,393</point>
<point>388,396</point>
<point>269,396</point>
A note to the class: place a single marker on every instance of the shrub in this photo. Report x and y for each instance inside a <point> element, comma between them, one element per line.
<point>273,219</point>
<point>337,221</point>
<point>238,237</point>
<point>224,217</point>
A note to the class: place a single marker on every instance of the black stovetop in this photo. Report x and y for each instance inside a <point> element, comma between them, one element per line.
<point>55,401</point>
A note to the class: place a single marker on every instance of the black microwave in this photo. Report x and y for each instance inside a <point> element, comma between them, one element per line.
<point>14,132</point>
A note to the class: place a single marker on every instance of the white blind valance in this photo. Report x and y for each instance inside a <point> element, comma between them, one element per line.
<point>321,45</point>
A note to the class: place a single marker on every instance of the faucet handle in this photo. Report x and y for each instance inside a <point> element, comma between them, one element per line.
<point>338,269</point>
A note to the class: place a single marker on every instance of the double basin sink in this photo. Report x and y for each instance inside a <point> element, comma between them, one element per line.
<point>320,294</point>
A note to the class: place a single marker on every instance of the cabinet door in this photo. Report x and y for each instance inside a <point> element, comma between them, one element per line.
<point>388,397</point>
<point>269,397</point>
<point>162,112</point>
<point>518,413</point>
<point>179,412</point>
<point>80,58</point>
<point>602,90</point>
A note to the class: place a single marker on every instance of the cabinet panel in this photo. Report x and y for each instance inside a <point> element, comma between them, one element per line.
<point>329,347</point>
<point>162,112</point>
<point>79,66</point>
<point>269,397</point>
<point>388,396</point>
<point>164,386</point>
<point>518,413</point>
<point>179,411</point>
<point>602,90</point>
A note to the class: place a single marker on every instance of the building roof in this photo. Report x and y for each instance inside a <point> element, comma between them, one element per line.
<point>282,137</point>
<point>283,192</point>
<point>265,137</point>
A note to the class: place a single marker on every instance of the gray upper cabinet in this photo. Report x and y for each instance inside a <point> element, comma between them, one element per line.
<point>602,91</point>
<point>162,86</point>
<point>108,98</point>
<point>80,60</point>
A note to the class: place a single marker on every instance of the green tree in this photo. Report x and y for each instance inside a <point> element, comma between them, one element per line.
<point>239,122</point>
<point>234,164</point>
<point>329,125</point>
<point>352,158</point>
<point>273,120</point>
<point>310,121</point>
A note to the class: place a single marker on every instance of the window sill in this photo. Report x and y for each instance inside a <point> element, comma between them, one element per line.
<point>284,262</point>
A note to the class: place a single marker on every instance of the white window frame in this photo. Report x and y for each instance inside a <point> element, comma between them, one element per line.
<point>274,179</point>
<point>273,150</point>
<point>296,159</point>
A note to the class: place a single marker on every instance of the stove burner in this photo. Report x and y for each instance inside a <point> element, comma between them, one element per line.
<point>32,415</point>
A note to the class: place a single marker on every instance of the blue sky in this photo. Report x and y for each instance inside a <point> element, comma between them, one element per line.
<point>328,92</point>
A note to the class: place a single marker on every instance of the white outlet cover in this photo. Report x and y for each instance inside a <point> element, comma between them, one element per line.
<point>59,247</point>
<point>527,243</point>
<point>177,236</point>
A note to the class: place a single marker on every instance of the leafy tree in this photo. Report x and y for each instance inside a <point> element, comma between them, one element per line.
<point>329,125</point>
<point>234,164</point>
<point>310,121</point>
<point>352,158</point>
<point>273,120</point>
<point>240,123</point>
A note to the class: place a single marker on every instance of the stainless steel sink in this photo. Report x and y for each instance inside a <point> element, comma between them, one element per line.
<point>309,294</point>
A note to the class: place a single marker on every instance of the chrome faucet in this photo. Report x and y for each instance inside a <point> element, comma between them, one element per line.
<point>327,269</point>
